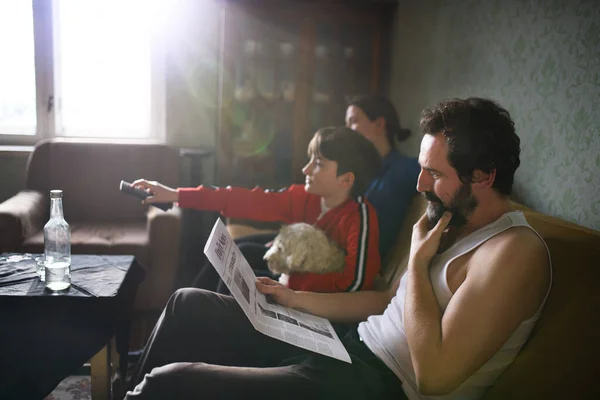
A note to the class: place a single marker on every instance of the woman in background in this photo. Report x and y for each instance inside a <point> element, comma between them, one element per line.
<point>390,193</point>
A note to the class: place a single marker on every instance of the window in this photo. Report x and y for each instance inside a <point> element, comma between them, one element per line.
<point>80,68</point>
<point>17,69</point>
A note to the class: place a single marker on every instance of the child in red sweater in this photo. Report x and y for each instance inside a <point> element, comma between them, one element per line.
<point>342,165</point>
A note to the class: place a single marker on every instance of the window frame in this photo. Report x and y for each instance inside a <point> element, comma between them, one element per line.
<point>46,86</point>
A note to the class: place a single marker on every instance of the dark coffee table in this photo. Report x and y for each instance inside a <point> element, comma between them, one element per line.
<point>45,336</point>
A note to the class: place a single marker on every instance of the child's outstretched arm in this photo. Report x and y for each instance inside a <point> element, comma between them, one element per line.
<point>286,205</point>
<point>160,193</point>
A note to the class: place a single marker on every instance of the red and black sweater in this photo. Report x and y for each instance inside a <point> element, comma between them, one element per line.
<point>352,225</point>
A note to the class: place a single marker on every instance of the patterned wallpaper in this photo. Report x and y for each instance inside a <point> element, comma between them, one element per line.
<point>540,60</point>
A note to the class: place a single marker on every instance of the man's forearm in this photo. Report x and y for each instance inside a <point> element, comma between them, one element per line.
<point>422,319</point>
<point>342,307</point>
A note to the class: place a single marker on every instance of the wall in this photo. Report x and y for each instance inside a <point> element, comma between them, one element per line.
<point>540,60</point>
<point>192,51</point>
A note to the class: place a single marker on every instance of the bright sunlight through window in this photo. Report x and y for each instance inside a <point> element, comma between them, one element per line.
<point>103,65</point>
<point>17,69</point>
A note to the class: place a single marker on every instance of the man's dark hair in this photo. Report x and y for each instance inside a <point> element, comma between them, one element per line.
<point>480,135</point>
<point>375,106</point>
<point>351,151</point>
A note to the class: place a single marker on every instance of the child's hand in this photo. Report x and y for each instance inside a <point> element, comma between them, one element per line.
<point>160,192</point>
<point>278,292</point>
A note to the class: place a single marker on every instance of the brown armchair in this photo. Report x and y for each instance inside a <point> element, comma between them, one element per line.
<point>102,219</point>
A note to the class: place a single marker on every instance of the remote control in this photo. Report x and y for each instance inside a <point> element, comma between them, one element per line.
<point>127,188</point>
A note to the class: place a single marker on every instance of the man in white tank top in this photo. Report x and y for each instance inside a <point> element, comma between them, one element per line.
<point>478,274</point>
<point>475,285</point>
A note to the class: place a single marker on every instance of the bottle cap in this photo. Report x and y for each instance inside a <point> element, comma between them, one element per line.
<point>56,194</point>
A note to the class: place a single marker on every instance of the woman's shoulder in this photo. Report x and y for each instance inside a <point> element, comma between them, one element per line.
<point>397,163</point>
<point>395,157</point>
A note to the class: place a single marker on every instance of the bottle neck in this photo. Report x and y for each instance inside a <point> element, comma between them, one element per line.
<point>56,209</point>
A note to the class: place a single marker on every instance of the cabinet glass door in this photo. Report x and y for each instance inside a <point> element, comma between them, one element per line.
<point>264,66</point>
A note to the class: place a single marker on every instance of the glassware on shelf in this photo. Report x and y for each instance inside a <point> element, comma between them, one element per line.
<point>348,52</point>
<point>322,84</point>
<point>357,42</point>
<point>287,75</point>
<point>265,71</point>
<point>245,72</point>
<point>254,136</point>
<point>349,74</point>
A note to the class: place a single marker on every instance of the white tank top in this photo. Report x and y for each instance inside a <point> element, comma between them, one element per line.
<point>385,335</point>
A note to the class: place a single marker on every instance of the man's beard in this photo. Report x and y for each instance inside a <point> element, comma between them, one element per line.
<point>461,206</point>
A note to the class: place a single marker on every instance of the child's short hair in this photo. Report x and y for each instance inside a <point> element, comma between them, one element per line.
<point>351,151</point>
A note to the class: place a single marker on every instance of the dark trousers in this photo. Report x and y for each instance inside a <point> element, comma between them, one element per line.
<point>253,248</point>
<point>204,347</point>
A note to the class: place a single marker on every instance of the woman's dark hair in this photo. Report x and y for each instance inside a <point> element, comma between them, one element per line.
<point>480,135</point>
<point>351,151</point>
<point>375,106</point>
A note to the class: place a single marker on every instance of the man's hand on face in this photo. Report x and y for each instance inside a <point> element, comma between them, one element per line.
<point>425,242</point>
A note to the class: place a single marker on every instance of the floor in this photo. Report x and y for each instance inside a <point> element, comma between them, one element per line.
<point>75,387</point>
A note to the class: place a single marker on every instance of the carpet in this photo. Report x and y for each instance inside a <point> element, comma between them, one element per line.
<point>76,387</point>
<point>79,387</point>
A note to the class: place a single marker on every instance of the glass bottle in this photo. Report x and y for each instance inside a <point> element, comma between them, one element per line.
<point>57,246</point>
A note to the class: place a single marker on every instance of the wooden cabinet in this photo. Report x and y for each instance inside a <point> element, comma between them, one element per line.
<point>289,68</point>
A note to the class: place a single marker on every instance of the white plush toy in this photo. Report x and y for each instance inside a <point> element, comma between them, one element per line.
<point>302,247</point>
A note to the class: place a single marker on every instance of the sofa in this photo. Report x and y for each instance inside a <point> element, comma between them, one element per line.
<point>561,358</point>
<point>102,219</point>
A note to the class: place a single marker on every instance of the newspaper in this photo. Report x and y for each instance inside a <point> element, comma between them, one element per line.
<point>298,328</point>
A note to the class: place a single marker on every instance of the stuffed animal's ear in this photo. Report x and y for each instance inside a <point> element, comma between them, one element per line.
<point>269,253</point>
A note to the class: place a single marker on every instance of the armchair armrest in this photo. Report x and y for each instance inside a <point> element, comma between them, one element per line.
<point>164,232</point>
<point>20,217</point>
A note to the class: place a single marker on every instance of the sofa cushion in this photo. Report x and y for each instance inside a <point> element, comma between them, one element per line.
<point>20,216</point>
<point>552,227</point>
<point>29,207</point>
<point>560,359</point>
<point>101,238</point>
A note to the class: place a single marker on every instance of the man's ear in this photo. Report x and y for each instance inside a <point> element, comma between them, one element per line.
<point>482,180</point>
